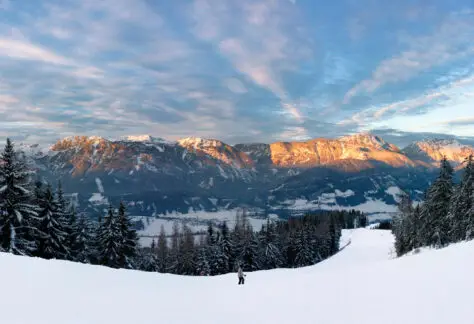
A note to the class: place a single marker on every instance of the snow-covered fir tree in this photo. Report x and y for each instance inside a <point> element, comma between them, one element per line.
<point>434,213</point>
<point>146,260</point>
<point>66,216</point>
<point>52,236</point>
<point>17,209</point>
<point>109,240</point>
<point>249,258</point>
<point>83,238</point>
<point>462,203</point>
<point>216,257</point>
<point>174,252</point>
<point>305,253</point>
<point>202,264</point>
<point>162,251</point>
<point>128,245</point>
<point>271,254</point>
<point>226,245</point>
<point>186,264</point>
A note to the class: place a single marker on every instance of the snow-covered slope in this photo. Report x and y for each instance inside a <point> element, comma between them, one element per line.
<point>360,285</point>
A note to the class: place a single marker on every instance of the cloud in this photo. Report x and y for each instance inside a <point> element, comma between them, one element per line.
<point>235,85</point>
<point>235,70</point>
<point>6,99</point>
<point>429,100</point>
<point>27,51</point>
<point>463,121</point>
<point>261,47</point>
<point>450,41</point>
<point>403,139</point>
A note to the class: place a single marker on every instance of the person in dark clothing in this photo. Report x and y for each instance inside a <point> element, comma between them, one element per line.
<point>241,276</point>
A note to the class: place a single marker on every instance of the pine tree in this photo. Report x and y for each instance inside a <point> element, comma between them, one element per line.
<point>128,245</point>
<point>145,260</point>
<point>304,253</point>
<point>250,256</point>
<point>186,264</point>
<point>202,264</point>
<point>435,230</point>
<point>334,234</point>
<point>109,241</point>
<point>271,252</point>
<point>162,251</point>
<point>402,225</point>
<point>82,248</point>
<point>227,246</point>
<point>461,203</point>
<point>174,252</point>
<point>65,218</point>
<point>52,237</point>
<point>17,211</point>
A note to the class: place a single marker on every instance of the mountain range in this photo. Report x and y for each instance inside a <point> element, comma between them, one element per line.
<point>155,176</point>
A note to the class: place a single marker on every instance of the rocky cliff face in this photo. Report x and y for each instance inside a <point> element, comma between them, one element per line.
<point>430,152</point>
<point>317,152</point>
<point>158,176</point>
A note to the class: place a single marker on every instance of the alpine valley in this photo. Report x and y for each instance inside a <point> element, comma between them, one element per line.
<point>157,177</point>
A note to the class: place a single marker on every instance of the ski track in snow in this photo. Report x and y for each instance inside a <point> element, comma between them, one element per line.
<point>362,284</point>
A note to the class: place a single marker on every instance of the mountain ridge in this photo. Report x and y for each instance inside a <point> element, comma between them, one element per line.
<point>159,176</point>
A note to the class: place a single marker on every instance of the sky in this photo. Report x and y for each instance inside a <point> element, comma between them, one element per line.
<point>239,71</point>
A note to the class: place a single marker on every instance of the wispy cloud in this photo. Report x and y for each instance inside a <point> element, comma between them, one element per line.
<point>22,50</point>
<point>464,121</point>
<point>245,70</point>
<point>429,100</point>
<point>261,47</point>
<point>451,40</point>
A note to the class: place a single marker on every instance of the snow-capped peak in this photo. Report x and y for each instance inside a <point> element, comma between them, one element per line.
<point>197,142</point>
<point>142,138</point>
<point>433,150</point>
<point>368,139</point>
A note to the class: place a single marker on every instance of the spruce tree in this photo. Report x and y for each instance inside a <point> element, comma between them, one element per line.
<point>17,209</point>
<point>128,245</point>
<point>202,264</point>
<point>52,236</point>
<point>250,256</point>
<point>305,255</point>
<point>434,214</point>
<point>174,252</point>
<point>65,218</point>
<point>109,241</point>
<point>145,260</point>
<point>271,255</point>
<point>461,203</point>
<point>226,245</point>
<point>162,251</point>
<point>186,255</point>
<point>82,244</point>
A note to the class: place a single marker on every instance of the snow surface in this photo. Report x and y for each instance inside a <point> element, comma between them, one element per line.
<point>362,284</point>
<point>328,202</point>
<point>394,191</point>
<point>98,199</point>
<point>100,187</point>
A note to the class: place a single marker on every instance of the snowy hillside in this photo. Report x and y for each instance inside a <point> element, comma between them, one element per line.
<point>362,284</point>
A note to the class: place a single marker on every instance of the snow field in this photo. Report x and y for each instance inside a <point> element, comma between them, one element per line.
<point>363,284</point>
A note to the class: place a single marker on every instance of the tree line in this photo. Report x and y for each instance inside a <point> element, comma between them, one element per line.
<point>446,215</point>
<point>36,220</point>
<point>291,243</point>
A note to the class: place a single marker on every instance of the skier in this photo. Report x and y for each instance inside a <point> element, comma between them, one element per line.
<point>241,275</point>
